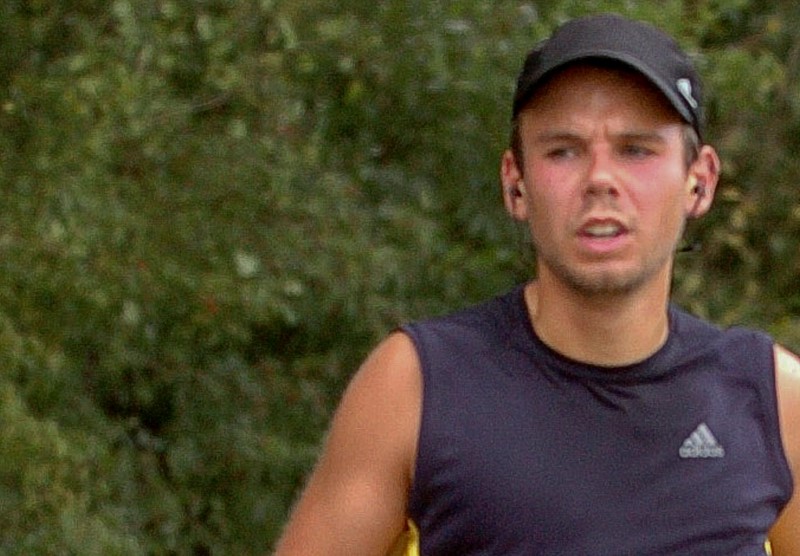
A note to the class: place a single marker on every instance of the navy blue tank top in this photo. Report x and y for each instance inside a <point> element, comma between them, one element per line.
<point>523,451</point>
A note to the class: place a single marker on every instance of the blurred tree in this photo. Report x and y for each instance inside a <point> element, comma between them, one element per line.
<point>214,208</point>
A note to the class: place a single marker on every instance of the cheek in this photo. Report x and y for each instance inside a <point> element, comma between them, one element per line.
<point>664,200</point>
<point>660,184</point>
<point>551,184</point>
<point>555,189</point>
<point>552,204</point>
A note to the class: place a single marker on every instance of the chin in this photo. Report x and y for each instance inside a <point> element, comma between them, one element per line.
<point>605,281</point>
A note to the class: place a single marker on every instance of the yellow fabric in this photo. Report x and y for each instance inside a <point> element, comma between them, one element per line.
<point>408,543</point>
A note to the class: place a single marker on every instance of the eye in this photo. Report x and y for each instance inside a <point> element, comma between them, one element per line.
<point>634,150</point>
<point>562,153</point>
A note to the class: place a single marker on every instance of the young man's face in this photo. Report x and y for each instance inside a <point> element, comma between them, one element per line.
<point>604,180</point>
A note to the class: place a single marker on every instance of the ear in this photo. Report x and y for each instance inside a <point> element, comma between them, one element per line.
<point>513,187</point>
<point>701,182</point>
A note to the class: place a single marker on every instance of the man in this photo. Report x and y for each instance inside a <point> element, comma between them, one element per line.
<point>581,413</point>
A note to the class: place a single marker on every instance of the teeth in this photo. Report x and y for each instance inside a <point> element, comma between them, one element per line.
<point>602,230</point>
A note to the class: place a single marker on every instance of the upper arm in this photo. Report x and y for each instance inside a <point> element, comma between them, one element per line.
<point>785,535</point>
<point>355,501</point>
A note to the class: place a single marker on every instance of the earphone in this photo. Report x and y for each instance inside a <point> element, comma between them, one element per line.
<point>698,188</point>
<point>516,190</point>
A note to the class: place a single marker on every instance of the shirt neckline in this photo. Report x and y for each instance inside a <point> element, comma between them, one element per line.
<point>652,366</point>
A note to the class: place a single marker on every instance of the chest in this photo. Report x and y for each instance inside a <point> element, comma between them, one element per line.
<point>537,459</point>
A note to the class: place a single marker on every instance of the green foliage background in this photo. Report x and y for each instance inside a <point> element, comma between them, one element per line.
<point>212,209</point>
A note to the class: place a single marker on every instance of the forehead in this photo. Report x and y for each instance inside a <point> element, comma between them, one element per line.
<point>584,86</point>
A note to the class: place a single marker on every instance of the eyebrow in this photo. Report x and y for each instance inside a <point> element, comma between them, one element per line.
<point>649,137</point>
<point>636,136</point>
<point>556,136</point>
<point>645,136</point>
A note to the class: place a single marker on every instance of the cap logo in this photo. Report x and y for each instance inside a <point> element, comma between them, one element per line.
<point>685,88</point>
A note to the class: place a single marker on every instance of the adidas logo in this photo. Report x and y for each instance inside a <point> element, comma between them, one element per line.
<point>701,444</point>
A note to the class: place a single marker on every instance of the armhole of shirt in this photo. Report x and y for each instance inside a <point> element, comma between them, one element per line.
<point>773,424</point>
<point>414,335</point>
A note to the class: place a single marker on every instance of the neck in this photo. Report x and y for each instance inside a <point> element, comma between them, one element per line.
<point>606,330</point>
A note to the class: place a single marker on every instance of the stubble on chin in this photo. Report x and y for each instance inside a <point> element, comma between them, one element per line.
<point>595,280</point>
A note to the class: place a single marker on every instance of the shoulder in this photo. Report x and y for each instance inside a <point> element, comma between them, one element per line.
<point>378,416</point>
<point>391,371</point>
<point>355,500</point>
<point>743,352</point>
<point>386,390</point>
<point>693,331</point>
<point>787,363</point>
<point>787,379</point>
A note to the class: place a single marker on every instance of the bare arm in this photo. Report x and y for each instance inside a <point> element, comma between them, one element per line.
<point>785,534</point>
<point>355,501</point>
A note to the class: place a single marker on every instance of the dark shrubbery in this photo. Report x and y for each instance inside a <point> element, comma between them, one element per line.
<point>212,210</point>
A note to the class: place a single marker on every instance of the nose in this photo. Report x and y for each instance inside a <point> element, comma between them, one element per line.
<point>601,178</point>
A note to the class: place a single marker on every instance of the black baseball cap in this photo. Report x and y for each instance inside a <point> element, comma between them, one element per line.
<point>641,46</point>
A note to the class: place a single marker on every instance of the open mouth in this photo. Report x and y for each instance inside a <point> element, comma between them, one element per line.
<point>603,230</point>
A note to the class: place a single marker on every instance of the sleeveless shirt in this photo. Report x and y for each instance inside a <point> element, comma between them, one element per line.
<point>523,451</point>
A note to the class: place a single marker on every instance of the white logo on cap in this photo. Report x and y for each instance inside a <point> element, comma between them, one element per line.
<point>685,87</point>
